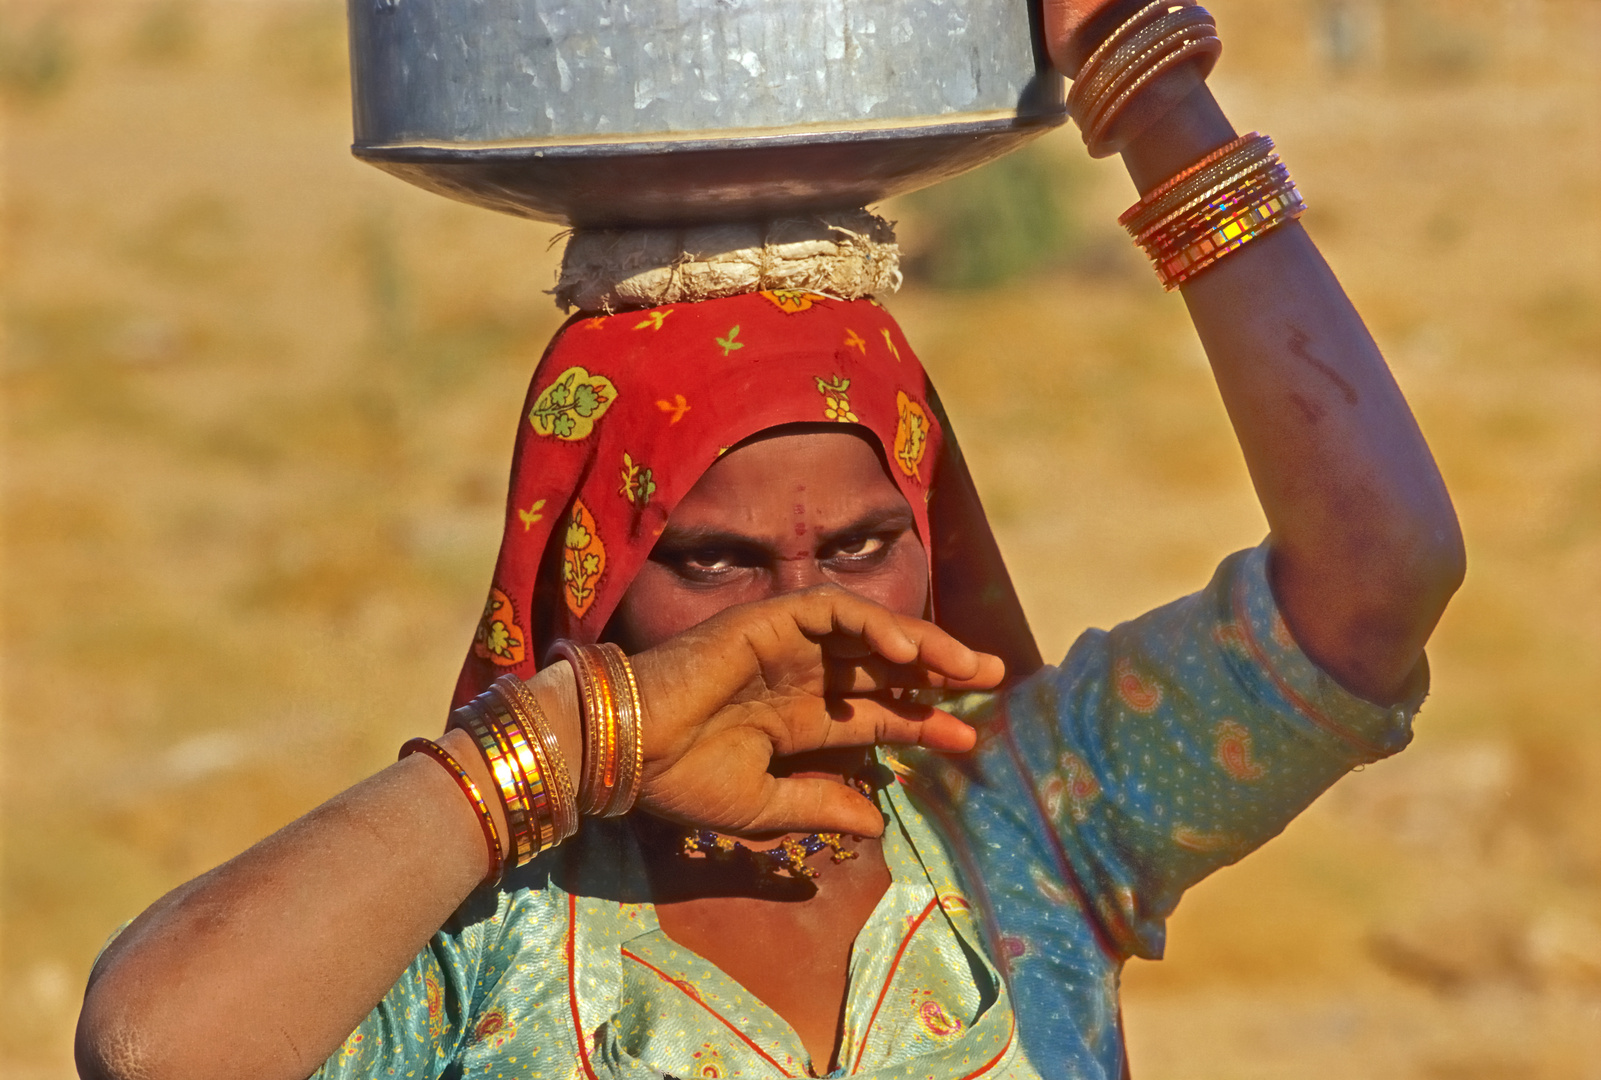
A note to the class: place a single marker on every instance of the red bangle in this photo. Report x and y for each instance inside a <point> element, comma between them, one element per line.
<point>470,789</point>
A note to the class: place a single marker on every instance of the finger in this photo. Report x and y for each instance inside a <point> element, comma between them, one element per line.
<point>870,674</point>
<point>900,639</point>
<point>990,674</point>
<point>816,805</point>
<point>815,724</point>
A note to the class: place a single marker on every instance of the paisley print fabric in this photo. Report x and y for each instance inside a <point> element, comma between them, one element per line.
<point>1025,874</point>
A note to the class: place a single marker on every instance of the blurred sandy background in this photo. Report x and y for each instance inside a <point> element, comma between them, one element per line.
<point>258,400</point>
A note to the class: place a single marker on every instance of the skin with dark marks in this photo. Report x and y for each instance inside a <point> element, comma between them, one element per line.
<point>1309,411</point>
<point>1299,340</point>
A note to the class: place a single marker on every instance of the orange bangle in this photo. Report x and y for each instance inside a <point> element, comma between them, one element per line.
<point>485,819</point>
<point>631,712</point>
<point>599,772</point>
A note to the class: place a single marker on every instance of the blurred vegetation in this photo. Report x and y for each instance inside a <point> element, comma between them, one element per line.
<point>1009,218</point>
<point>36,57</point>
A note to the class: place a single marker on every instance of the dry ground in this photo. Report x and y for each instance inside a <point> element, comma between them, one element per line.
<point>258,400</point>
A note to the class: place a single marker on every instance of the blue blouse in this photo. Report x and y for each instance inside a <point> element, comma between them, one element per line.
<point>1024,874</point>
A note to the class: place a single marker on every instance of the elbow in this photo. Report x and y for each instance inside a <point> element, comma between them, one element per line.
<point>1435,569</point>
<point>128,1031</point>
<point>108,1044</point>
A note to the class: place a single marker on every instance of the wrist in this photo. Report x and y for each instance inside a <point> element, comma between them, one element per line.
<point>556,688</point>
<point>1190,126</point>
<point>460,745</point>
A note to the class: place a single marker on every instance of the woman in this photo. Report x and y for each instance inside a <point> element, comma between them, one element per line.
<point>756,498</point>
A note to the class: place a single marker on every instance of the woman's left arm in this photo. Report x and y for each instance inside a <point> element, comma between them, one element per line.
<point>1366,550</point>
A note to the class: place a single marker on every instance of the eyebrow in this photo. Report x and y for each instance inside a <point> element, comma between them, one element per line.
<point>884,519</point>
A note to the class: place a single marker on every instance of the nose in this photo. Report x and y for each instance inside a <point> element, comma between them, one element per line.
<point>792,575</point>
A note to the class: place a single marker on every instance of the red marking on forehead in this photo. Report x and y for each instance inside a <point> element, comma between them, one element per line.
<point>800,528</point>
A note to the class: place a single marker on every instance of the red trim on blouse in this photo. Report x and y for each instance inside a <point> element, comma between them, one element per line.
<point>1243,616</point>
<point>572,987</point>
<point>861,1047</point>
<point>1011,1034</point>
<point>690,992</point>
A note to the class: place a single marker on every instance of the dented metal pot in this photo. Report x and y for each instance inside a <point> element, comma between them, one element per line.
<point>619,112</point>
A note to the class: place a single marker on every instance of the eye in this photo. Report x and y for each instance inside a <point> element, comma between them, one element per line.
<point>863,552</point>
<point>708,561</point>
<point>705,565</point>
<point>860,546</point>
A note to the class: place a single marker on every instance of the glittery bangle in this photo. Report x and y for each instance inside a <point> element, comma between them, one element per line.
<point>599,773</point>
<point>1213,206</point>
<point>525,724</point>
<point>475,719</point>
<point>535,778</point>
<point>1277,209</point>
<point>532,718</point>
<point>630,712</point>
<point>1249,154</point>
<point>486,820</point>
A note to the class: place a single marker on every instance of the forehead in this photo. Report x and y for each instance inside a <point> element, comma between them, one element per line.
<point>832,478</point>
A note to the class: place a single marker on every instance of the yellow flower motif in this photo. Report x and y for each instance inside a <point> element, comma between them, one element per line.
<point>836,399</point>
<point>911,434</point>
<point>583,560</point>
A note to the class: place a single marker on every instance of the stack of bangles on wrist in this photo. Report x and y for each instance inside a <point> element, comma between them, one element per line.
<point>522,755</point>
<point>1159,37</point>
<point>1219,204</point>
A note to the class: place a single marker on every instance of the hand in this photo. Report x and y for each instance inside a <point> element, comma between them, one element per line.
<point>1062,20</point>
<point>807,671</point>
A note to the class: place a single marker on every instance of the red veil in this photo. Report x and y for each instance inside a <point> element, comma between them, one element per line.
<point>624,414</point>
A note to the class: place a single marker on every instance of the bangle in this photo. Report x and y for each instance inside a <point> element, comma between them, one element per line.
<point>536,727</point>
<point>1157,38</point>
<point>631,713</point>
<point>497,753</point>
<point>1216,206</point>
<point>1244,156</point>
<point>612,748</point>
<point>1156,193</point>
<point>535,788</point>
<point>486,820</point>
<point>598,777</point>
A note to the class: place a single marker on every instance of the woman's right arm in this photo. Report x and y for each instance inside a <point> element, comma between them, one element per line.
<point>261,967</point>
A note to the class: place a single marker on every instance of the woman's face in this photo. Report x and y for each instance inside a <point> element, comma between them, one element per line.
<point>776,514</point>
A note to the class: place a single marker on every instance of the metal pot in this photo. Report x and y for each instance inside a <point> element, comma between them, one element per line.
<point>622,112</point>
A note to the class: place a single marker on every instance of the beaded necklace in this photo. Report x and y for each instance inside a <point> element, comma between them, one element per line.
<point>788,857</point>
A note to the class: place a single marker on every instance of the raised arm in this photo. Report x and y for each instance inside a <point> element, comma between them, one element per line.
<point>1366,550</point>
<point>263,966</point>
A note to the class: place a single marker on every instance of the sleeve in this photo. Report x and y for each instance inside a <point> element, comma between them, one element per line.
<point>1177,743</point>
<point>422,1023</point>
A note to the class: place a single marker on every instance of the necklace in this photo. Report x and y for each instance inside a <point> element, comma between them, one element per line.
<point>788,857</point>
